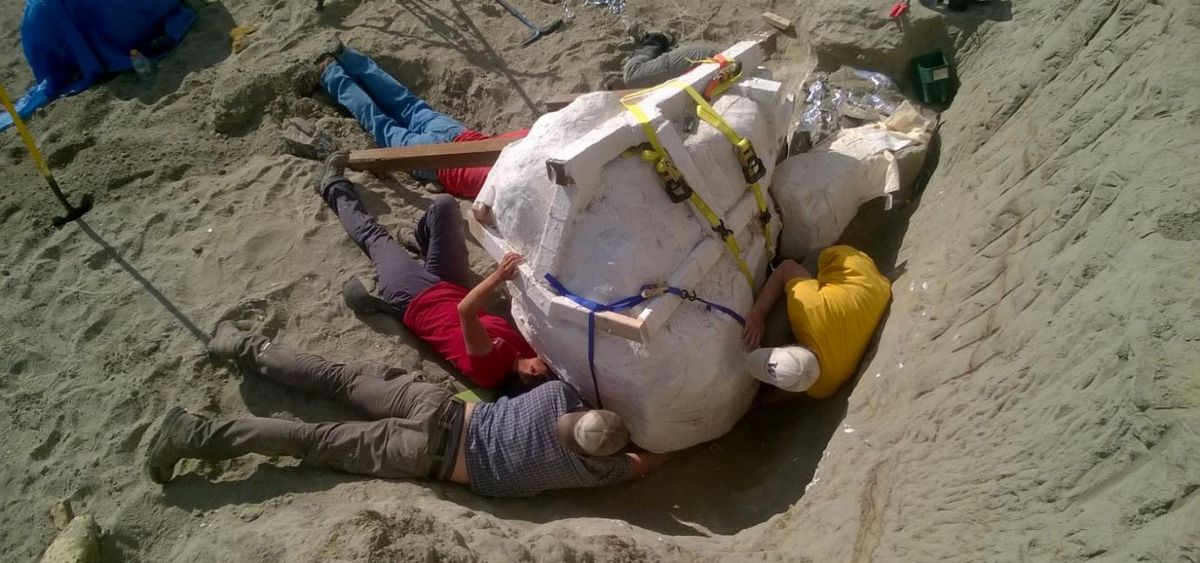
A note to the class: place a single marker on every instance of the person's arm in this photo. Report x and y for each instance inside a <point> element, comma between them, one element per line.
<point>645,462</point>
<point>771,292</point>
<point>479,344</point>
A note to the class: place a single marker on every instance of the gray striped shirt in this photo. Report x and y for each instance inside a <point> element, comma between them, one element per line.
<point>513,451</point>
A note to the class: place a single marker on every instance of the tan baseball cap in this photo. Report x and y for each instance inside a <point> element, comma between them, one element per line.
<point>791,368</point>
<point>600,433</point>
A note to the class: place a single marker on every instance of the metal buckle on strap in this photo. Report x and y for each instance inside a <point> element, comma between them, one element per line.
<point>445,448</point>
<point>653,290</point>
<point>722,230</point>
<point>677,188</point>
<point>752,166</point>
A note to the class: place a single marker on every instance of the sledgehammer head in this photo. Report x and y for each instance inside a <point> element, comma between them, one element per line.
<point>542,33</point>
<point>74,212</point>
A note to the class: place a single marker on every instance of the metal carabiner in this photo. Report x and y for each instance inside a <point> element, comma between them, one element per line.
<point>653,290</point>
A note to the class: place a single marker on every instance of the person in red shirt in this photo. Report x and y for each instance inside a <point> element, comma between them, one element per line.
<point>433,300</point>
<point>396,117</point>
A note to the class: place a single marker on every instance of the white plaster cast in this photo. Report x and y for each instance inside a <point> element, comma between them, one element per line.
<point>602,224</point>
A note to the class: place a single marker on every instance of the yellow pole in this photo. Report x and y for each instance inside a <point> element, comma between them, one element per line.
<point>72,211</point>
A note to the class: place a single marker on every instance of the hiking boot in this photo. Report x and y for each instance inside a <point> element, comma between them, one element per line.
<point>363,301</point>
<point>306,140</point>
<point>228,340</point>
<point>660,41</point>
<point>335,166</point>
<point>333,47</point>
<point>169,445</point>
<point>407,237</point>
<point>613,81</point>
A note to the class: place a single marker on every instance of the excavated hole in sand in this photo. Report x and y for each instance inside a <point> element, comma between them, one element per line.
<point>758,469</point>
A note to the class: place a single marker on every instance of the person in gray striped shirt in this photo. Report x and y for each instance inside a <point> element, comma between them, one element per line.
<point>545,439</point>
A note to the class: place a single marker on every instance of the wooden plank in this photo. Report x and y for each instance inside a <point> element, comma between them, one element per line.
<point>578,159</point>
<point>765,38</point>
<point>619,324</point>
<point>430,157</point>
<point>768,41</point>
<point>777,21</point>
<point>559,101</point>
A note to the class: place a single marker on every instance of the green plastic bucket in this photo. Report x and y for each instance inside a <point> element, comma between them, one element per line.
<point>933,75</point>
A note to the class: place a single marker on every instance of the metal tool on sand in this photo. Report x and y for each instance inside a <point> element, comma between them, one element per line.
<point>73,212</point>
<point>538,32</point>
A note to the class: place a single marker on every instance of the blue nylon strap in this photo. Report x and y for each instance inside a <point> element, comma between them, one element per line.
<point>707,304</point>
<point>623,304</point>
<point>593,307</point>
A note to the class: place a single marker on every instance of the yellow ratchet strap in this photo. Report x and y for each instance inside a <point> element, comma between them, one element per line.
<point>25,136</point>
<point>678,189</point>
<point>729,73</point>
<point>752,166</point>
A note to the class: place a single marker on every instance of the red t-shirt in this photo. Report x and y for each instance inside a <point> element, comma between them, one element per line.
<point>433,316</point>
<point>466,182</point>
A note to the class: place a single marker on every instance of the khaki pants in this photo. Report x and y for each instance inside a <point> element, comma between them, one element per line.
<point>399,440</point>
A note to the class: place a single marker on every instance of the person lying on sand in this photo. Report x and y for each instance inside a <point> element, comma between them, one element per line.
<point>396,117</point>
<point>432,300</point>
<point>544,439</point>
<point>833,317</point>
<point>656,59</point>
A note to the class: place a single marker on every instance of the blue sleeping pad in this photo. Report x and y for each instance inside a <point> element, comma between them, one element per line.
<point>70,44</point>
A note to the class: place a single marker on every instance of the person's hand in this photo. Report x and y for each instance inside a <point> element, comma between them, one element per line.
<point>753,333</point>
<point>508,266</point>
<point>483,214</point>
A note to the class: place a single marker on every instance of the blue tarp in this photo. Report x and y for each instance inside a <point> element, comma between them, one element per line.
<point>70,44</point>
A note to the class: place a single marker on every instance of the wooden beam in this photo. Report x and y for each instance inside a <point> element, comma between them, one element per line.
<point>620,324</point>
<point>777,21</point>
<point>430,157</point>
<point>766,39</point>
<point>559,101</point>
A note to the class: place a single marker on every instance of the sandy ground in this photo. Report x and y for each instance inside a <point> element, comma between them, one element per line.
<point>1033,395</point>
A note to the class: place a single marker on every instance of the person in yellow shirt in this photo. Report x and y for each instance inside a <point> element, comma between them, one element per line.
<point>833,318</point>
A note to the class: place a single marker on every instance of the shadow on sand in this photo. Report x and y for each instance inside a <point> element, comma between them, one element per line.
<point>206,44</point>
<point>455,31</point>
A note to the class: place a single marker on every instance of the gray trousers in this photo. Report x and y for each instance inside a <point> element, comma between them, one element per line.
<point>647,68</point>
<point>398,441</point>
<point>401,278</point>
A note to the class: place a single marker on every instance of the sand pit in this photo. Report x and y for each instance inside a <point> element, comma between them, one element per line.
<point>1033,395</point>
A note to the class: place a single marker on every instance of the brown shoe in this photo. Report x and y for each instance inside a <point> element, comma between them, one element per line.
<point>227,340</point>
<point>305,140</point>
<point>407,237</point>
<point>169,445</point>
<point>363,301</point>
<point>334,167</point>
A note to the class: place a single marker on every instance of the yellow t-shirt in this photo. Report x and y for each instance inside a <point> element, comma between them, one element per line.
<point>836,314</point>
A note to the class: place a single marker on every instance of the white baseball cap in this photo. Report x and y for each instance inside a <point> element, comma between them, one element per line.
<point>600,433</point>
<point>791,368</point>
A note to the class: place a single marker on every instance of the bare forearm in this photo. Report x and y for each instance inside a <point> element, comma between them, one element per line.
<point>475,335</point>
<point>772,290</point>
<point>473,302</point>
<point>646,462</point>
<point>769,296</point>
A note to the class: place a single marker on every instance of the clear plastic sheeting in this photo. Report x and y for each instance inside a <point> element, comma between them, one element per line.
<point>819,192</point>
<point>859,95</point>
<point>614,6</point>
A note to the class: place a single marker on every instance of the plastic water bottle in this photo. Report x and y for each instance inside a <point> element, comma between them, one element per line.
<point>141,65</point>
